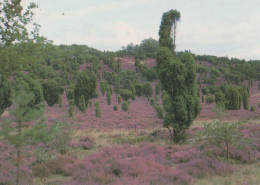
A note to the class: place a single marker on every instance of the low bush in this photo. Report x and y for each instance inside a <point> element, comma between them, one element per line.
<point>125,105</point>
<point>210,99</point>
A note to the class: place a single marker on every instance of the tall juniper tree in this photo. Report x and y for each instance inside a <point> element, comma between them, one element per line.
<point>178,79</point>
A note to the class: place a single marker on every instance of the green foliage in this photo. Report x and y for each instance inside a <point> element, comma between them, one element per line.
<point>115,107</point>
<point>108,97</point>
<point>97,109</point>
<point>252,108</point>
<point>202,99</point>
<point>117,84</point>
<point>137,62</point>
<point>82,104</point>
<point>71,108</point>
<point>139,89</point>
<point>51,92</point>
<point>147,90</point>
<point>169,19</point>
<point>126,94</point>
<point>21,112</point>
<point>5,94</point>
<point>178,79</point>
<point>60,100</point>
<point>149,47</point>
<point>61,135</point>
<point>258,105</point>
<point>70,92</point>
<point>233,98</point>
<point>96,94</point>
<point>205,90</point>
<point>103,87</point>
<point>245,98</point>
<point>159,110</point>
<point>220,99</point>
<point>125,105</point>
<point>218,134</point>
<point>14,19</point>
<point>119,99</point>
<point>90,103</point>
<point>210,99</point>
<point>148,73</point>
<point>157,89</point>
<point>85,86</point>
<point>219,110</point>
<point>29,85</point>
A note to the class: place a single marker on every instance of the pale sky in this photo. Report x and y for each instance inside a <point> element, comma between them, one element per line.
<point>214,27</point>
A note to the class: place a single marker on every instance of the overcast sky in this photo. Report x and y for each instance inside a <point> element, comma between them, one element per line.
<point>214,27</point>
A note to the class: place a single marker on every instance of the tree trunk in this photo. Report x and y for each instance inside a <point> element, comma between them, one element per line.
<point>171,134</point>
<point>227,153</point>
<point>18,166</point>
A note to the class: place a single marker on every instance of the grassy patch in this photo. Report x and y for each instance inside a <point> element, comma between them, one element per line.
<point>243,174</point>
<point>52,180</point>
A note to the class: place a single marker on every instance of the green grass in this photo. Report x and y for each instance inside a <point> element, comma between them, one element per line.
<point>243,174</point>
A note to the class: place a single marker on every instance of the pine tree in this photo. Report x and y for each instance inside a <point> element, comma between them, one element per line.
<point>108,98</point>
<point>21,112</point>
<point>98,110</point>
<point>82,104</point>
<point>71,108</point>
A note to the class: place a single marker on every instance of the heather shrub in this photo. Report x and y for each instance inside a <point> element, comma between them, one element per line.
<point>158,135</point>
<point>125,106</point>
<point>143,164</point>
<point>84,142</point>
<point>61,136</point>
<point>201,167</point>
<point>62,165</point>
